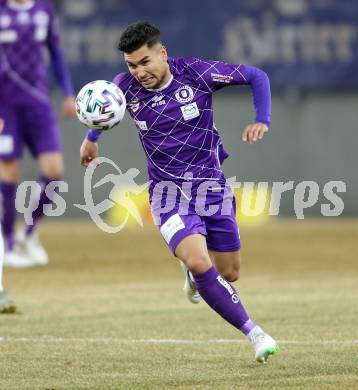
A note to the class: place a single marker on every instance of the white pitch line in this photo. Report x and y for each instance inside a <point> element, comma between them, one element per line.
<point>50,339</point>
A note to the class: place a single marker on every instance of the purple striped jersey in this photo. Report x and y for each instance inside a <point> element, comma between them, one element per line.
<point>176,124</point>
<point>25,30</point>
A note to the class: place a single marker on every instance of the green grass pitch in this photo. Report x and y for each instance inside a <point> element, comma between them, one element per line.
<point>109,313</point>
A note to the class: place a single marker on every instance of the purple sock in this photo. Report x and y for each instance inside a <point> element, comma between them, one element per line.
<point>8,212</point>
<point>222,297</point>
<point>38,213</point>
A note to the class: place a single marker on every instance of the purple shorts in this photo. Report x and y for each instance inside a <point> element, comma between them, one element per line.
<point>32,125</point>
<point>220,228</point>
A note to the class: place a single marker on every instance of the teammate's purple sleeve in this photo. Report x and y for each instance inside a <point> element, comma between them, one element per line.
<point>214,75</point>
<point>59,63</point>
<point>61,70</point>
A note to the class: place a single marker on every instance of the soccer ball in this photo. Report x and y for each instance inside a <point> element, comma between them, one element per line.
<point>100,105</point>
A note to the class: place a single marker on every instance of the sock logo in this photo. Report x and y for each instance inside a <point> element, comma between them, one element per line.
<point>229,288</point>
<point>235,298</point>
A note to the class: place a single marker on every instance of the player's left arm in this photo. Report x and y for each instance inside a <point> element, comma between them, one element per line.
<point>215,75</point>
<point>60,66</point>
<point>260,87</point>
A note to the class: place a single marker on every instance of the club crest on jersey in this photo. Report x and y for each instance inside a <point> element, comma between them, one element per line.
<point>133,105</point>
<point>184,94</point>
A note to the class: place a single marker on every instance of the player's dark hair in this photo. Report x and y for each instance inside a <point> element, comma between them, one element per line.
<point>138,34</point>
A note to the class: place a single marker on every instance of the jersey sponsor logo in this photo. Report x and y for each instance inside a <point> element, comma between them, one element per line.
<point>171,226</point>
<point>190,111</point>
<point>133,105</point>
<point>221,78</point>
<point>228,287</point>
<point>5,21</point>
<point>142,125</point>
<point>184,94</point>
<point>158,101</point>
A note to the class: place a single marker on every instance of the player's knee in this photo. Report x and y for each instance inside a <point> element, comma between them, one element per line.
<point>51,165</point>
<point>10,171</point>
<point>198,263</point>
<point>53,172</point>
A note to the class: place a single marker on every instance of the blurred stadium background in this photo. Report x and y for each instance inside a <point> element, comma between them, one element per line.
<point>299,278</point>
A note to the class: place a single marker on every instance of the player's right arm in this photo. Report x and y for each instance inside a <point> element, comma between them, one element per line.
<point>88,152</point>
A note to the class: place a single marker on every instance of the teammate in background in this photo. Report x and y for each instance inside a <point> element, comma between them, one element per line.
<point>6,304</point>
<point>26,28</point>
<point>170,100</point>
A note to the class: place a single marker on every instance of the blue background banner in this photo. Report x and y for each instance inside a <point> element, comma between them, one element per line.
<point>300,44</point>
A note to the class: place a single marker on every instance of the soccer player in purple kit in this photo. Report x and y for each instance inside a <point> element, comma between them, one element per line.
<point>27,27</point>
<point>170,101</point>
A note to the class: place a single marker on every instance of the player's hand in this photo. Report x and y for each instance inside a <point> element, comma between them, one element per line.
<point>254,132</point>
<point>2,124</point>
<point>69,107</point>
<point>88,152</point>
